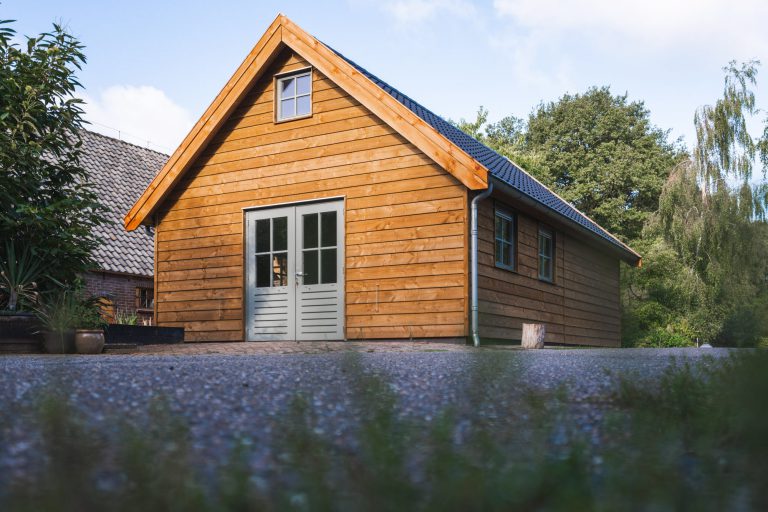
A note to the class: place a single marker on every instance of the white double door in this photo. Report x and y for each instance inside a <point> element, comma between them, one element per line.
<point>295,272</point>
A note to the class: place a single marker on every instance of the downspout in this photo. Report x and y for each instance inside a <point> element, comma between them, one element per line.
<point>475,323</point>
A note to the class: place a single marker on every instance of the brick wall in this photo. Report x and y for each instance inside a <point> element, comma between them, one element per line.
<point>120,289</point>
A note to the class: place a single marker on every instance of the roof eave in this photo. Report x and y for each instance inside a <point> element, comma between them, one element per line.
<point>623,251</point>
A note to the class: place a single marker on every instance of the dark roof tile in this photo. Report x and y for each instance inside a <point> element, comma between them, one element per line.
<point>120,172</point>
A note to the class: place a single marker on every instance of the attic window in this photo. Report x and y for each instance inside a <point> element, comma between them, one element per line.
<point>294,95</point>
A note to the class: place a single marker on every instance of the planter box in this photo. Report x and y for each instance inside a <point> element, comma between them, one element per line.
<point>143,334</point>
<point>19,333</point>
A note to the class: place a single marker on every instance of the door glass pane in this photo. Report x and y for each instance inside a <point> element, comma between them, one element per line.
<point>328,229</point>
<point>262,235</point>
<point>280,234</point>
<point>310,231</point>
<point>302,106</point>
<point>328,266</point>
<point>310,267</point>
<point>263,272</point>
<point>280,269</point>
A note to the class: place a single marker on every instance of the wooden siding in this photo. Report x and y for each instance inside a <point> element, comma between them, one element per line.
<point>406,223</point>
<point>580,307</point>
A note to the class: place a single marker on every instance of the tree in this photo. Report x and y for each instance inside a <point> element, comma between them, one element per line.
<point>602,153</point>
<point>46,201</point>
<point>598,151</point>
<point>712,215</point>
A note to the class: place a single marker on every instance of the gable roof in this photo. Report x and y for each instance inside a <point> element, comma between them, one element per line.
<point>499,166</point>
<point>117,169</point>
<point>459,154</point>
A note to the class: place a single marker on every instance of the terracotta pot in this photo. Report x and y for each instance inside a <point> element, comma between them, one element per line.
<point>59,342</point>
<point>89,341</point>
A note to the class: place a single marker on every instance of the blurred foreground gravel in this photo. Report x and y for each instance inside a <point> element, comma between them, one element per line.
<point>245,397</point>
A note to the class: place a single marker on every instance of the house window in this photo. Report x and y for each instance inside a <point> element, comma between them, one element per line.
<point>145,298</point>
<point>294,96</point>
<point>505,224</point>
<point>546,254</point>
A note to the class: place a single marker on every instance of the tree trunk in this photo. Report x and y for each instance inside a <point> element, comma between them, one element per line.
<point>533,335</point>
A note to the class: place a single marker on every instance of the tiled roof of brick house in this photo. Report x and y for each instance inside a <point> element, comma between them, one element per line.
<point>120,172</point>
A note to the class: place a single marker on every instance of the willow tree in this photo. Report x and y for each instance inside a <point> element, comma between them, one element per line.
<point>712,214</point>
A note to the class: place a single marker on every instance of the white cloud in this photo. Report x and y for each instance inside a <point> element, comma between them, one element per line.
<point>708,25</point>
<point>408,12</point>
<point>143,115</point>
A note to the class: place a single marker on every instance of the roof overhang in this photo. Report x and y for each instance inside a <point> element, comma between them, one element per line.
<point>284,33</point>
<point>616,246</point>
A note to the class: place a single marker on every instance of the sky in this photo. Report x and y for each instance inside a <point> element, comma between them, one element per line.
<point>154,66</point>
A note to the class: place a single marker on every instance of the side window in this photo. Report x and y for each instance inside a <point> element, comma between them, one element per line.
<point>505,234</point>
<point>546,254</point>
<point>294,96</point>
<point>145,298</point>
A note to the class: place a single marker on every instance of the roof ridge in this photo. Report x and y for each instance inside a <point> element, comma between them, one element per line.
<point>124,142</point>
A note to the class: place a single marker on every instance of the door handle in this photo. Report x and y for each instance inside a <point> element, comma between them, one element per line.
<point>300,274</point>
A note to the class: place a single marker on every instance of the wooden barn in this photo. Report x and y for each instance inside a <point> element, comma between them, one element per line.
<point>312,201</point>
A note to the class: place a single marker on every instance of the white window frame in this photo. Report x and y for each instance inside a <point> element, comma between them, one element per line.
<point>549,233</point>
<point>294,75</point>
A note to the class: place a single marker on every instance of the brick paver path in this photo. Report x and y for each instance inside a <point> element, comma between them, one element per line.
<point>293,347</point>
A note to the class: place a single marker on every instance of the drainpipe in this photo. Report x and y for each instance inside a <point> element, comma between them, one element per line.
<point>475,324</point>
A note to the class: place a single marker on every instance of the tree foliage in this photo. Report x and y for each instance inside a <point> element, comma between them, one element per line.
<point>46,202</point>
<point>712,217</point>
<point>599,151</point>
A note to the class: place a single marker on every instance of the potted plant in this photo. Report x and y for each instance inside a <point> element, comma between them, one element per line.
<point>19,272</point>
<point>89,334</point>
<point>59,316</point>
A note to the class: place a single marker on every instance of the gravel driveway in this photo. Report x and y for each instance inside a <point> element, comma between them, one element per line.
<point>229,397</point>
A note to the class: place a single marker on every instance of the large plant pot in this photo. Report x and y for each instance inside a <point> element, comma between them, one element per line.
<point>59,342</point>
<point>89,341</point>
<point>19,333</point>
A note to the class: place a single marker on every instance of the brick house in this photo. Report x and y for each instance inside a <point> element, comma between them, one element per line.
<point>124,277</point>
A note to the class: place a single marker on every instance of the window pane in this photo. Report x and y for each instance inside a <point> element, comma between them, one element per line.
<point>263,272</point>
<point>328,229</point>
<point>310,231</point>
<point>499,245</point>
<point>310,267</point>
<point>280,234</point>
<point>262,235</point>
<point>287,108</point>
<point>302,84</point>
<point>509,235</point>
<point>303,106</point>
<point>545,268</point>
<point>328,266</point>
<point>287,87</point>
<point>280,269</point>
<point>506,254</point>
<point>498,227</point>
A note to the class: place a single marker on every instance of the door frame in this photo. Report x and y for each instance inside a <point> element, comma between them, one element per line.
<point>341,248</point>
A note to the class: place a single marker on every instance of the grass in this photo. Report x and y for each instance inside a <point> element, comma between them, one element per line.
<point>698,441</point>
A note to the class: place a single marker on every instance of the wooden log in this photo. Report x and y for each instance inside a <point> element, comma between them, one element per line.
<point>533,335</point>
